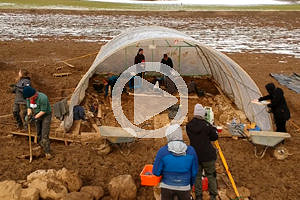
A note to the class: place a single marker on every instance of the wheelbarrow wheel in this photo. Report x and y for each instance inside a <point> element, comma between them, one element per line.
<point>281,153</point>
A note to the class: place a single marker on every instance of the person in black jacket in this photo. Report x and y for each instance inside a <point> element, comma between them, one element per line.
<point>200,134</point>
<point>167,61</point>
<point>278,106</point>
<point>20,103</point>
<point>139,58</point>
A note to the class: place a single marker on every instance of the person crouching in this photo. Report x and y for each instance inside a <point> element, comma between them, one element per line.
<point>39,111</point>
<point>177,163</point>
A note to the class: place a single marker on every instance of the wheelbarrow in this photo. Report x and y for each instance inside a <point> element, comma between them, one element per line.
<point>117,136</point>
<point>266,139</point>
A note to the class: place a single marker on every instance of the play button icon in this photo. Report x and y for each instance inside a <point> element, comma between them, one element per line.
<point>149,100</point>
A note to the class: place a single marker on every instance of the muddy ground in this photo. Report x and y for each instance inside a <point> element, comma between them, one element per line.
<point>267,178</point>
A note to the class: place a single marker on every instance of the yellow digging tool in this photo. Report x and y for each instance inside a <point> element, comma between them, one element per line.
<point>227,169</point>
<point>30,149</point>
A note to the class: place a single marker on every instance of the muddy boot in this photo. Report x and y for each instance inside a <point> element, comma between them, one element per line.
<point>198,198</point>
<point>48,156</point>
<point>213,197</point>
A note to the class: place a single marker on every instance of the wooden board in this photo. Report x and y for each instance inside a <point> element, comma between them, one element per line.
<point>68,64</point>
<point>62,74</point>
<point>76,127</point>
<point>51,137</point>
<point>96,128</point>
<point>99,115</point>
<point>5,116</point>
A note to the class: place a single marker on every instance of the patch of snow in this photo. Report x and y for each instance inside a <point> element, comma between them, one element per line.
<point>7,4</point>
<point>241,34</point>
<point>201,2</point>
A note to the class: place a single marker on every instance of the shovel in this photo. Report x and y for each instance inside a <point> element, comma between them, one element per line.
<point>30,148</point>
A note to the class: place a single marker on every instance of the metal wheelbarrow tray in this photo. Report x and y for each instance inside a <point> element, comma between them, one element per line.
<point>118,136</point>
<point>267,139</point>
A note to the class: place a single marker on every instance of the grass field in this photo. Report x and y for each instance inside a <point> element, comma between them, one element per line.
<point>82,4</point>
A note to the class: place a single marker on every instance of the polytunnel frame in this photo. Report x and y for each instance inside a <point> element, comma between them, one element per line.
<point>213,58</point>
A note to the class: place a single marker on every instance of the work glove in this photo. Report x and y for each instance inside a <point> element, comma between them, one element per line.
<point>12,88</point>
<point>29,119</point>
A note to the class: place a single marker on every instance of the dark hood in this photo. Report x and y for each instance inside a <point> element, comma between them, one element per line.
<point>270,88</point>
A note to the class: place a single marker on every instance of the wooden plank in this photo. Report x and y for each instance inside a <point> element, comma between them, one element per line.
<point>96,128</point>
<point>295,125</point>
<point>68,64</point>
<point>5,116</point>
<point>62,74</point>
<point>51,137</point>
<point>76,127</point>
<point>86,134</point>
<point>99,115</point>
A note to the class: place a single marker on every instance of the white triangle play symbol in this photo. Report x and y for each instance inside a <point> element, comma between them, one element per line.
<point>149,101</point>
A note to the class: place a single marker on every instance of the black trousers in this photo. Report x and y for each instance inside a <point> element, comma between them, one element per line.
<point>280,125</point>
<point>167,194</point>
<point>19,112</point>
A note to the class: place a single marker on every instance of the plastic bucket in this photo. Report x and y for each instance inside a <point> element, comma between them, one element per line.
<point>147,178</point>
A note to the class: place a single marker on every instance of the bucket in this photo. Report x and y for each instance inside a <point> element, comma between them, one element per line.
<point>204,184</point>
<point>147,178</point>
<point>219,129</point>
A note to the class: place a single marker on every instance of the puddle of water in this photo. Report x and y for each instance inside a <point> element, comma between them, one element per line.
<point>243,34</point>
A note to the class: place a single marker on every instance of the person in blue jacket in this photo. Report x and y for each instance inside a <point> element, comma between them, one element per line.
<point>110,82</point>
<point>177,163</point>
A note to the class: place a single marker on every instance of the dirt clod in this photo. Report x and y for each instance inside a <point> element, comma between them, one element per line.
<point>30,194</point>
<point>10,190</point>
<point>122,188</point>
<point>78,196</point>
<point>96,191</point>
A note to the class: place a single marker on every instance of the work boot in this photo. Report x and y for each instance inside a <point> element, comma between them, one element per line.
<point>48,156</point>
<point>213,198</point>
<point>198,198</point>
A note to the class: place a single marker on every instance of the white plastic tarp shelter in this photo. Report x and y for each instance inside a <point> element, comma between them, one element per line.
<point>189,58</point>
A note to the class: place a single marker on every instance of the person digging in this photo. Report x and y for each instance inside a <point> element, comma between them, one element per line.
<point>19,107</point>
<point>39,111</point>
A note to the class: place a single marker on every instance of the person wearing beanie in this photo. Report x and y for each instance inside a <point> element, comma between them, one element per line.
<point>39,110</point>
<point>20,102</point>
<point>278,106</point>
<point>201,133</point>
<point>177,163</point>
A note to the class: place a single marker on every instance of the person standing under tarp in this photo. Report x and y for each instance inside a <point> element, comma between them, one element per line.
<point>201,133</point>
<point>20,102</point>
<point>39,111</point>
<point>139,60</point>
<point>278,106</point>
<point>167,60</point>
<point>177,163</point>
